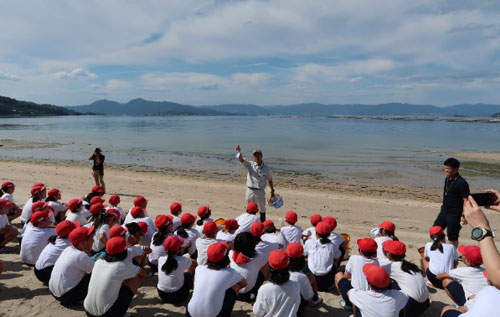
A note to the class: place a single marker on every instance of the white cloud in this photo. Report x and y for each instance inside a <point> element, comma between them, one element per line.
<point>113,84</point>
<point>356,79</point>
<point>77,73</point>
<point>7,76</point>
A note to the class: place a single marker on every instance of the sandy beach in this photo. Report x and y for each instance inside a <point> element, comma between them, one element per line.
<point>357,209</point>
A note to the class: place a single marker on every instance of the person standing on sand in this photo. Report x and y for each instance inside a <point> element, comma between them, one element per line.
<point>456,189</point>
<point>98,166</point>
<point>258,173</point>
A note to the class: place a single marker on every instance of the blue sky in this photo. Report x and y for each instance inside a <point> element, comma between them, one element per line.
<point>264,52</point>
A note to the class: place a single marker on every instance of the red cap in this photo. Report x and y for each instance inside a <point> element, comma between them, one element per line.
<point>117,231</point>
<point>116,245</point>
<point>394,247</point>
<point>217,251</point>
<point>294,250</point>
<point>203,211</point>
<point>187,219</point>
<point>323,228</point>
<point>210,228</point>
<point>38,184</point>
<point>278,260</point>
<point>436,231</point>
<point>53,192</point>
<point>252,208</point>
<point>114,212</point>
<point>231,224</point>
<point>315,219</point>
<point>367,245</point>
<point>376,275</point>
<point>472,253</point>
<point>331,221</point>
<point>175,207</point>
<point>38,217</point>
<point>96,208</point>
<point>137,212</point>
<point>6,203</point>
<point>65,227</point>
<point>144,227</point>
<point>96,200</point>
<point>6,185</point>
<point>162,221</point>
<point>140,200</point>
<point>388,226</point>
<point>291,217</point>
<point>73,203</point>
<point>268,223</point>
<point>36,189</point>
<point>257,229</point>
<point>98,189</point>
<point>173,243</point>
<point>114,200</point>
<point>39,205</point>
<point>79,234</point>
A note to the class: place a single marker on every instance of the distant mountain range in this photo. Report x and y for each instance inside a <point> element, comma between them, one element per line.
<point>10,107</point>
<point>145,107</point>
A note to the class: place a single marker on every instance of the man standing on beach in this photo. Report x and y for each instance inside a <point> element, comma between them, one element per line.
<point>456,190</point>
<point>257,175</point>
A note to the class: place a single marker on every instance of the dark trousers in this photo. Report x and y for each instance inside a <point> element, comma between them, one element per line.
<point>246,297</point>
<point>344,287</point>
<point>154,267</point>
<point>451,222</point>
<point>77,294</point>
<point>414,308</point>
<point>433,279</point>
<point>43,275</point>
<point>178,297</point>
<point>227,306</point>
<point>457,292</point>
<point>326,282</point>
<point>121,304</point>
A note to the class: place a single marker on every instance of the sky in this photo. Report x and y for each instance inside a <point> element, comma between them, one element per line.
<point>204,52</point>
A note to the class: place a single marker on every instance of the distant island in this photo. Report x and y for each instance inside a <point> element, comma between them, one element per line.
<point>10,107</point>
<point>496,115</point>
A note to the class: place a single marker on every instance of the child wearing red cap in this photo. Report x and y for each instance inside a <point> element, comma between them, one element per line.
<point>114,201</point>
<point>95,191</point>
<point>311,231</point>
<point>439,257</point>
<point>408,277</point>
<point>264,247</point>
<point>7,231</point>
<point>215,285</point>
<point>280,297</point>
<point>385,233</point>
<point>38,193</point>
<point>187,232</point>
<point>36,235</point>
<point>271,235</point>
<point>6,191</point>
<point>209,232</point>
<point>114,281</point>
<point>176,211</point>
<point>336,238</point>
<point>250,264</point>
<point>54,200</point>
<point>76,211</point>
<point>308,288</point>
<point>164,228</point>
<point>103,220</point>
<point>57,243</point>
<point>138,214</point>
<point>250,216</point>
<point>204,214</point>
<point>378,300</point>
<point>353,276</point>
<point>291,232</point>
<point>463,283</point>
<point>135,254</point>
<point>228,233</point>
<point>70,276</point>
<point>322,257</point>
<point>175,276</point>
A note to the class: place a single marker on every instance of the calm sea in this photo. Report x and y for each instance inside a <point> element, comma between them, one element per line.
<point>407,152</point>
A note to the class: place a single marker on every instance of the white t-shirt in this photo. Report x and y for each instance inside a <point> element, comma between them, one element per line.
<point>202,245</point>
<point>471,278</point>
<point>225,236</point>
<point>26,213</point>
<point>412,285</point>
<point>277,300</point>
<point>382,259</point>
<point>156,250</point>
<point>320,257</point>
<point>77,216</point>
<point>273,238</point>
<point>441,262</point>
<point>336,239</point>
<point>291,233</point>
<point>51,253</point>
<point>4,221</point>
<point>209,289</point>
<point>175,280</point>
<point>485,303</point>
<point>310,232</point>
<point>200,228</point>
<point>306,291</point>
<point>146,239</point>
<point>98,245</point>
<point>355,267</point>
<point>132,252</point>
<point>375,304</point>
<point>266,247</point>
<point>128,218</point>
<point>71,266</point>
<point>34,240</point>
<point>250,270</point>
<point>176,221</point>
<point>9,197</point>
<point>245,222</point>
<point>105,283</point>
<point>58,207</point>
<point>193,235</point>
